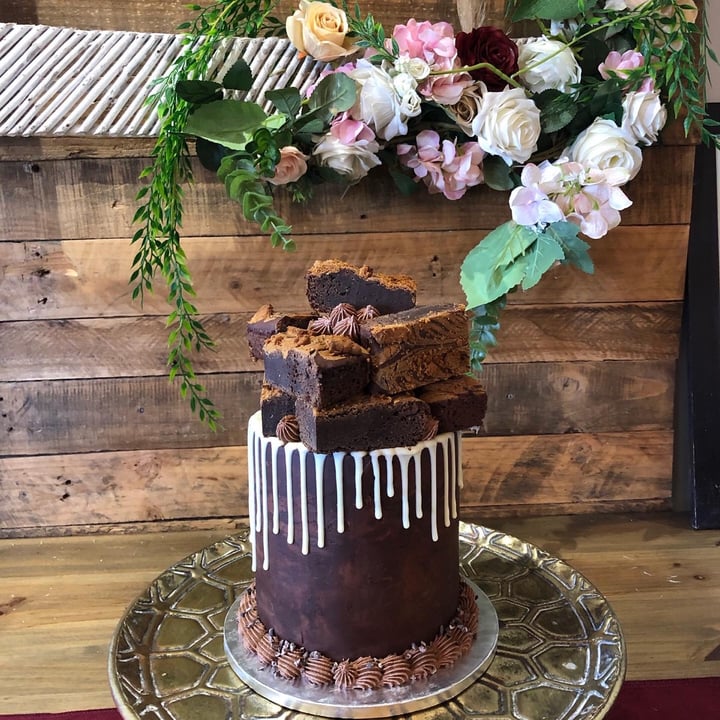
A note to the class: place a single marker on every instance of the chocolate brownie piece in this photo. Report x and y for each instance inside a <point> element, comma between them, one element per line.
<point>417,347</point>
<point>331,282</point>
<point>367,422</point>
<point>458,404</point>
<point>322,369</point>
<point>274,405</point>
<point>266,322</point>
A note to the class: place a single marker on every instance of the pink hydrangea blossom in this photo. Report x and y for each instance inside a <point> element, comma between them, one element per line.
<point>442,165</point>
<point>595,209</point>
<point>589,197</point>
<point>531,206</point>
<point>432,42</point>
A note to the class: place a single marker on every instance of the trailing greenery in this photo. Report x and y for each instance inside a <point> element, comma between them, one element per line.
<point>160,210</point>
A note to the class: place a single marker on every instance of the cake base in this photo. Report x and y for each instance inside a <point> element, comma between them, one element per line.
<point>384,702</point>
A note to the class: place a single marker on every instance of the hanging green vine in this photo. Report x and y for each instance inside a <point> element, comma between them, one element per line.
<point>160,210</point>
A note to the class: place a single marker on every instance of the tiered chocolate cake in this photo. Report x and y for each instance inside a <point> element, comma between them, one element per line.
<point>355,471</point>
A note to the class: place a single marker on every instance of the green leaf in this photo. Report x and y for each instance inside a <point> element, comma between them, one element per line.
<point>198,91</point>
<point>286,100</point>
<point>593,53</point>
<point>490,268</point>
<point>227,122</point>
<point>308,125</point>
<point>543,254</point>
<point>238,77</point>
<point>498,174</point>
<point>334,94</point>
<point>210,153</point>
<point>548,9</point>
<point>557,110</point>
<point>575,249</point>
<point>607,100</point>
<point>403,182</point>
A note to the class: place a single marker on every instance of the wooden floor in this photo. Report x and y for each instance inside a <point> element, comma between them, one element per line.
<point>61,598</point>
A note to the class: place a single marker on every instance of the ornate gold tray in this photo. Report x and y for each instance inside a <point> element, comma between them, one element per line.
<point>560,652</point>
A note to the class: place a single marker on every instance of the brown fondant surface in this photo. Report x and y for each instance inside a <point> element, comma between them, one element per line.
<point>374,589</point>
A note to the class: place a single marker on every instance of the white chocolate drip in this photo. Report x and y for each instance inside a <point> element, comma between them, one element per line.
<point>252,482</point>
<point>338,458</point>
<point>319,498</point>
<point>276,508</point>
<point>304,505</point>
<point>263,454</point>
<point>287,450</point>
<point>377,500</point>
<point>357,457</point>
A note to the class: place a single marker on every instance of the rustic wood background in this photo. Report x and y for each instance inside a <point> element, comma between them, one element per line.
<point>94,438</point>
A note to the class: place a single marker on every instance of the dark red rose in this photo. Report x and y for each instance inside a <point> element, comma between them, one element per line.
<point>489,45</point>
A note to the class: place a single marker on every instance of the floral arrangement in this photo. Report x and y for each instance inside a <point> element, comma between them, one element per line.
<point>557,120</point>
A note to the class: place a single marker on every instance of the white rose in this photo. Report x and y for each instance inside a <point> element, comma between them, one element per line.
<point>644,116</point>
<point>507,125</point>
<point>378,103</point>
<point>416,67</point>
<point>606,146</point>
<point>411,104</point>
<point>546,64</point>
<point>353,162</point>
<point>320,29</point>
<point>404,82</point>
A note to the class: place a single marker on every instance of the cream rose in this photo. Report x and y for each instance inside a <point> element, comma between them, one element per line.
<point>507,125</point>
<point>606,146</point>
<point>353,162</point>
<point>320,30</point>
<point>546,64</point>
<point>292,166</point>
<point>644,116</point>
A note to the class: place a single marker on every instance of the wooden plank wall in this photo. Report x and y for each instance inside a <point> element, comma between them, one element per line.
<point>93,438</point>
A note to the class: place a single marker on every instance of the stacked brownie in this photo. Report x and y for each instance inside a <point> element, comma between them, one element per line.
<point>367,368</point>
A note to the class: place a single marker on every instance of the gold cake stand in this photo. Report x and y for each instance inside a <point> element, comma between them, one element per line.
<point>560,653</point>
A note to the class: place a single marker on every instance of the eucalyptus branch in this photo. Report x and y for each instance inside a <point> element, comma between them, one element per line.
<point>160,209</point>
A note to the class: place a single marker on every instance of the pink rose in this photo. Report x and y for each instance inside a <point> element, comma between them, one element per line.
<point>617,65</point>
<point>349,131</point>
<point>446,89</point>
<point>292,166</point>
